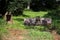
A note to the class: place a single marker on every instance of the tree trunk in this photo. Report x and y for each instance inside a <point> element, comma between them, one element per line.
<point>8,17</point>
<point>28,6</point>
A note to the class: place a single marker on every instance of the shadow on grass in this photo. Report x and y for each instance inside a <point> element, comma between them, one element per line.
<point>19,19</point>
<point>22,19</point>
<point>29,27</point>
<point>25,15</point>
<point>22,15</point>
<point>40,28</point>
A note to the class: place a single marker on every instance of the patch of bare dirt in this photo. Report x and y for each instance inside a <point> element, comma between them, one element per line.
<point>14,34</point>
<point>56,36</point>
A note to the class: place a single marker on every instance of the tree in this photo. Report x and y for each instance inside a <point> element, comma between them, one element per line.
<point>38,5</point>
<point>35,5</point>
<point>2,7</point>
<point>51,4</point>
<point>28,3</point>
<point>15,6</point>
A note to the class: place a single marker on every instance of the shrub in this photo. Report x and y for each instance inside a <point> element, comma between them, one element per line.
<point>55,15</point>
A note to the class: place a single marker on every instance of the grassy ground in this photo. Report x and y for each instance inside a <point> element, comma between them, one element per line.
<point>34,34</point>
<point>18,20</point>
<point>38,35</point>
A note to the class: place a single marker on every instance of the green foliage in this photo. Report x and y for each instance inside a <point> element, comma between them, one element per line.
<point>57,26</point>
<point>38,35</point>
<point>51,3</point>
<point>43,5</point>
<point>2,23</point>
<point>41,28</point>
<point>16,6</point>
<point>55,15</point>
<point>3,29</point>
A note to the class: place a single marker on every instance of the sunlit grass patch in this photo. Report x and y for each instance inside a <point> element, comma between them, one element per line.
<point>34,14</point>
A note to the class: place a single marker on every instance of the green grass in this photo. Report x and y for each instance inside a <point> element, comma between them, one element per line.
<point>38,35</point>
<point>18,20</point>
<point>3,29</point>
<point>33,33</point>
<point>34,14</point>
